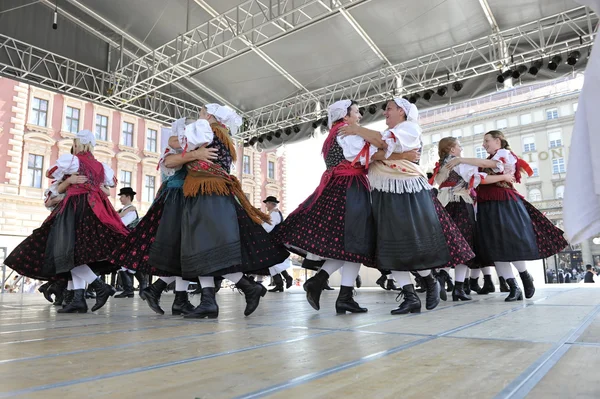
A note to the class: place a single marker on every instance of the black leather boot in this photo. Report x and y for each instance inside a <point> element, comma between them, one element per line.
<point>278,284</point>
<point>503,286</point>
<point>515,291</point>
<point>127,284</point>
<point>327,287</point>
<point>358,281</point>
<point>60,298</point>
<point>411,303</point>
<point>142,280</point>
<point>474,285</point>
<point>381,281</point>
<point>253,292</point>
<point>459,292</point>
<point>345,302</point>
<point>152,293</point>
<point>488,285</point>
<point>442,283</point>
<point>89,293</point>
<point>44,290</point>
<point>528,286</point>
<point>420,286</point>
<point>181,304</point>
<point>77,305</point>
<point>218,281</point>
<point>289,281</point>
<point>314,286</point>
<point>391,285</point>
<point>69,294</point>
<point>208,306</point>
<point>58,290</point>
<point>448,280</point>
<point>433,292</point>
<point>103,292</point>
<point>467,286</point>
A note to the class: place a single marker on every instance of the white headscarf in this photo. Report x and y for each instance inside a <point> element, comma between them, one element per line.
<point>178,127</point>
<point>411,111</point>
<point>226,116</point>
<point>337,111</point>
<point>86,137</point>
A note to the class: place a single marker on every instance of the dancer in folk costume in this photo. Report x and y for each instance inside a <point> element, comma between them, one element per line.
<point>144,240</point>
<point>456,194</point>
<point>414,232</point>
<point>511,230</point>
<point>84,228</point>
<point>219,231</point>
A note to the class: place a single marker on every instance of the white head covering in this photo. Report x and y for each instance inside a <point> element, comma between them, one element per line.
<point>226,116</point>
<point>411,111</point>
<point>196,134</point>
<point>86,137</point>
<point>337,111</point>
<point>178,127</point>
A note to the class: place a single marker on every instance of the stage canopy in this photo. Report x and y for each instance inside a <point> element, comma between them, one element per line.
<point>280,63</point>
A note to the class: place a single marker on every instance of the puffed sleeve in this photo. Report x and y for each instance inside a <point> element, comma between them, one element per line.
<point>470,174</point>
<point>161,162</point>
<point>109,176</point>
<point>66,164</point>
<point>353,146</point>
<point>196,135</point>
<point>505,161</point>
<point>407,136</point>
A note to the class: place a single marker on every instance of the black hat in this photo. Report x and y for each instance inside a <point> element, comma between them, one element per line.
<point>127,191</point>
<point>270,198</point>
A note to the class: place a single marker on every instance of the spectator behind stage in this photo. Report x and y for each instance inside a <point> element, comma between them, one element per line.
<point>589,274</point>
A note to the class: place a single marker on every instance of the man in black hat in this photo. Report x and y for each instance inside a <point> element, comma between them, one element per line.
<point>130,218</point>
<point>272,204</point>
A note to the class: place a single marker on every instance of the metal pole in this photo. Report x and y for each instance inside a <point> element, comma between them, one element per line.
<point>3,278</point>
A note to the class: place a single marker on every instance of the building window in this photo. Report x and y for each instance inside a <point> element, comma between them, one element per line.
<point>525,119</point>
<point>559,192</point>
<point>247,169</point>
<point>125,178</point>
<point>457,133</point>
<point>435,138</point>
<point>552,113</point>
<point>501,124</point>
<point>271,170</point>
<point>39,112</point>
<point>529,144</point>
<point>72,119</point>
<point>555,139</point>
<point>127,137</point>
<point>534,168</point>
<point>102,127</point>
<point>481,153</point>
<point>535,195</point>
<point>478,129</point>
<point>558,166</point>
<point>34,170</point>
<point>149,188</point>
<point>151,135</point>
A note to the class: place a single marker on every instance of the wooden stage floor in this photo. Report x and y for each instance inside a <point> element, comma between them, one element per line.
<point>547,347</point>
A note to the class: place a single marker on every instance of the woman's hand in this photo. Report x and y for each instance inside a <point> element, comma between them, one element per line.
<point>205,154</point>
<point>454,162</point>
<point>348,130</point>
<point>509,178</point>
<point>412,155</point>
<point>76,179</point>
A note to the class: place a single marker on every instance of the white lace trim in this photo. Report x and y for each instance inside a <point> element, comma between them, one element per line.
<point>398,186</point>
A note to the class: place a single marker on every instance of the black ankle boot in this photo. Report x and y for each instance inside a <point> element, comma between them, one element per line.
<point>411,303</point>
<point>89,293</point>
<point>77,305</point>
<point>528,286</point>
<point>289,281</point>
<point>69,294</point>
<point>442,283</point>
<point>103,292</point>
<point>60,298</point>
<point>345,302</point>
<point>381,281</point>
<point>58,290</point>
<point>253,292</point>
<point>449,286</point>
<point>467,286</point>
<point>314,286</point>
<point>181,304</point>
<point>127,284</point>
<point>44,290</point>
<point>278,284</point>
<point>327,287</point>
<point>358,281</point>
<point>421,286</point>
<point>391,286</point>
<point>208,306</point>
<point>515,291</point>
<point>218,281</point>
<point>503,286</point>
<point>459,292</point>
<point>433,292</point>
<point>142,280</point>
<point>152,293</point>
<point>488,285</point>
<point>474,285</point>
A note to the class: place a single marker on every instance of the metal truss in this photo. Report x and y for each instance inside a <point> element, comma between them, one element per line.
<point>22,61</point>
<point>566,31</point>
<point>231,34</point>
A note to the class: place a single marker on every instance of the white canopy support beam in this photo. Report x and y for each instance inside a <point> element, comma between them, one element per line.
<point>526,43</point>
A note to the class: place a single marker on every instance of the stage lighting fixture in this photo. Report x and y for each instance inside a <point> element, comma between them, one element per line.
<point>573,58</point>
<point>414,98</point>
<point>554,62</point>
<point>441,91</point>
<point>324,122</point>
<point>277,133</point>
<point>269,136</point>
<point>55,18</point>
<point>427,95</point>
<point>383,106</point>
<point>315,124</point>
<point>500,79</point>
<point>520,70</point>
<point>296,129</point>
<point>261,138</point>
<point>253,140</point>
<point>247,144</point>
<point>457,86</point>
<point>372,109</point>
<point>288,131</point>
<point>535,67</point>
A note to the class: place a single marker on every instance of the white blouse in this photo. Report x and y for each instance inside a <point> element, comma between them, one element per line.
<point>68,164</point>
<point>352,146</point>
<point>506,162</point>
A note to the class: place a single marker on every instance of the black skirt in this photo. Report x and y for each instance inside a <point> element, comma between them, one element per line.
<point>463,215</point>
